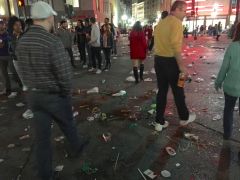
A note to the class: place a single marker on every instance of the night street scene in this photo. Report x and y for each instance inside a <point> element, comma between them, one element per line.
<point>119,89</point>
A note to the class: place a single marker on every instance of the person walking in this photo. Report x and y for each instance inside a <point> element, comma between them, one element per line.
<point>169,66</point>
<point>80,38</point>
<point>88,30</point>
<point>107,44</point>
<point>138,50</point>
<point>95,47</point>
<point>46,70</point>
<point>66,37</point>
<point>228,78</point>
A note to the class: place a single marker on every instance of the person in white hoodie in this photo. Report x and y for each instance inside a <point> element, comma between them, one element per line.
<point>95,47</point>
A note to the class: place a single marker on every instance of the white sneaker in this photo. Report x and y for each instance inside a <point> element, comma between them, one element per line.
<point>85,66</point>
<point>12,95</point>
<point>159,127</point>
<point>24,88</point>
<point>98,71</point>
<point>91,70</point>
<point>191,118</point>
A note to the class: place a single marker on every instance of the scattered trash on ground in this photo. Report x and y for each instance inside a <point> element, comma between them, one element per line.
<point>11,146</point>
<point>153,71</point>
<point>20,104</point>
<point>28,114</point>
<point>94,90</point>
<point>236,108</point>
<point>152,111</point>
<point>59,168</point>
<point>90,118</point>
<point>86,168</point>
<point>58,139</point>
<point>217,117</point>
<point>24,137</point>
<point>190,65</point>
<point>107,136</point>
<point>120,93</point>
<point>165,173</point>
<point>213,76</point>
<point>75,114</point>
<point>116,162</point>
<point>130,79</point>
<point>26,149</point>
<point>142,174</point>
<point>178,165</point>
<point>103,81</point>
<point>190,136</point>
<point>170,151</point>
<point>198,80</point>
<point>1,160</point>
<point>150,174</point>
<point>12,95</point>
<point>148,80</point>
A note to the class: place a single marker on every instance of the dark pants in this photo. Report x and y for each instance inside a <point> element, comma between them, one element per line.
<point>230,102</point>
<point>107,54</point>
<point>70,53</point>
<point>4,65</point>
<point>88,47</point>
<point>114,50</point>
<point>48,107</point>
<point>82,51</point>
<point>167,72</point>
<point>96,53</point>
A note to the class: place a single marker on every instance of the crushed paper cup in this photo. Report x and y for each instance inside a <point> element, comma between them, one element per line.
<point>59,168</point>
<point>165,173</point>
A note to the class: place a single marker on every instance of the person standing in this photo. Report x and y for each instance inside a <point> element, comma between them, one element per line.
<point>88,30</point>
<point>66,37</point>
<point>107,44</point>
<point>80,38</point>
<point>169,66</point>
<point>228,77</point>
<point>138,50</point>
<point>45,68</point>
<point>95,47</point>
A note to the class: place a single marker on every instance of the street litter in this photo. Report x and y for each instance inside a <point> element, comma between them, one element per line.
<point>103,81</point>
<point>90,118</point>
<point>153,106</point>
<point>12,95</point>
<point>130,79</point>
<point>220,98</point>
<point>198,80</point>
<point>236,108</point>
<point>75,114</point>
<point>59,168</point>
<point>165,173</point>
<point>20,104</point>
<point>93,90</point>
<point>141,174</point>
<point>153,71</point>
<point>178,165</point>
<point>87,169</point>
<point>120,93</point>
<point>194,74</point>
<point>114,57</point>
<point>217,117</point>
<point>103,116</point>
<point>170,151</point>
<point>1,160</point>
<point>133,125</point>
<point>148,80</point>
<point>115,166</point>
<point>155,90</point>
<point>190,136</point>
<point>190,65</point>
<point>28,114</point>
<point>11,146</point>
<point>152,111</point>
<point>107,136</point>
<point>213,76</point>
<point>26,149</point>
<point>58,139</point>
<point>150,174</point>
<point>24,137</point>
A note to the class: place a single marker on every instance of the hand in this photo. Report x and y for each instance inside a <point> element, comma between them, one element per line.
<point>183,70</point>
<point>218,86</point>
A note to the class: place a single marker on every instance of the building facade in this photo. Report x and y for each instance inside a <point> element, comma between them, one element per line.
<point>138,13</point>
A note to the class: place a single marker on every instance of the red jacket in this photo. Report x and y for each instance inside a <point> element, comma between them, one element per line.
<point>138,45</point>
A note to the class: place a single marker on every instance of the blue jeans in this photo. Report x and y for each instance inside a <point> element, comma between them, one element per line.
<point>230,102</point>
<point>48,107</point>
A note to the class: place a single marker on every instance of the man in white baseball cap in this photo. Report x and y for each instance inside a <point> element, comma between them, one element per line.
<point>46,71</point>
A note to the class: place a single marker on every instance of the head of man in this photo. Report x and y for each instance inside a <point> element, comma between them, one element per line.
<point>87,22</point>
<point>43,15</point>
<point>92,20</point>
<point>80,23</point>
<point>17,27</point>
<point>64,24</point>
<point>179,9</point>
<point>164,14</point>
<point>106,20</point>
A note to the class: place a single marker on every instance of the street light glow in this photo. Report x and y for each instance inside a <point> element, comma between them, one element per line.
<point>124,17</point>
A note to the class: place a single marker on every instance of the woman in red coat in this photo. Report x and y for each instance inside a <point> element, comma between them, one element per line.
<point>138,49</point>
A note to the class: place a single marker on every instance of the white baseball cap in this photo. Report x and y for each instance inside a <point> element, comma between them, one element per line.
<point>42,10</point>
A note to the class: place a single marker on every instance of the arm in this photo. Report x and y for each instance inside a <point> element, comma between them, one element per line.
<point>224,69</point>
<point>61,67</point>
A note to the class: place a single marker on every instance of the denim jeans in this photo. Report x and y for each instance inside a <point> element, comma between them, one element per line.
<point>48,107</point>
<point>70,53</point>
<point>230,102</point>
<point>167,72</point>
<point>82,51</point>
<point>88,47</point>
<point>107,54</point>
<point>96,53</point>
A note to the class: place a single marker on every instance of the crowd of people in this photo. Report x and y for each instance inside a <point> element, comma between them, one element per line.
<point>41,59</point>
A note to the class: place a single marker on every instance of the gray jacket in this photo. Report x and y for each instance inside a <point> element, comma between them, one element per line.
<point>66,37</point>
<point>95,36</point>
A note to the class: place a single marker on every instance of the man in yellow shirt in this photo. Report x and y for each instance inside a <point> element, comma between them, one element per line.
<point>168,36</point>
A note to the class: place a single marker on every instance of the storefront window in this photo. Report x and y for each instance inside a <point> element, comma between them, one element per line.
<point>3,8</point>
